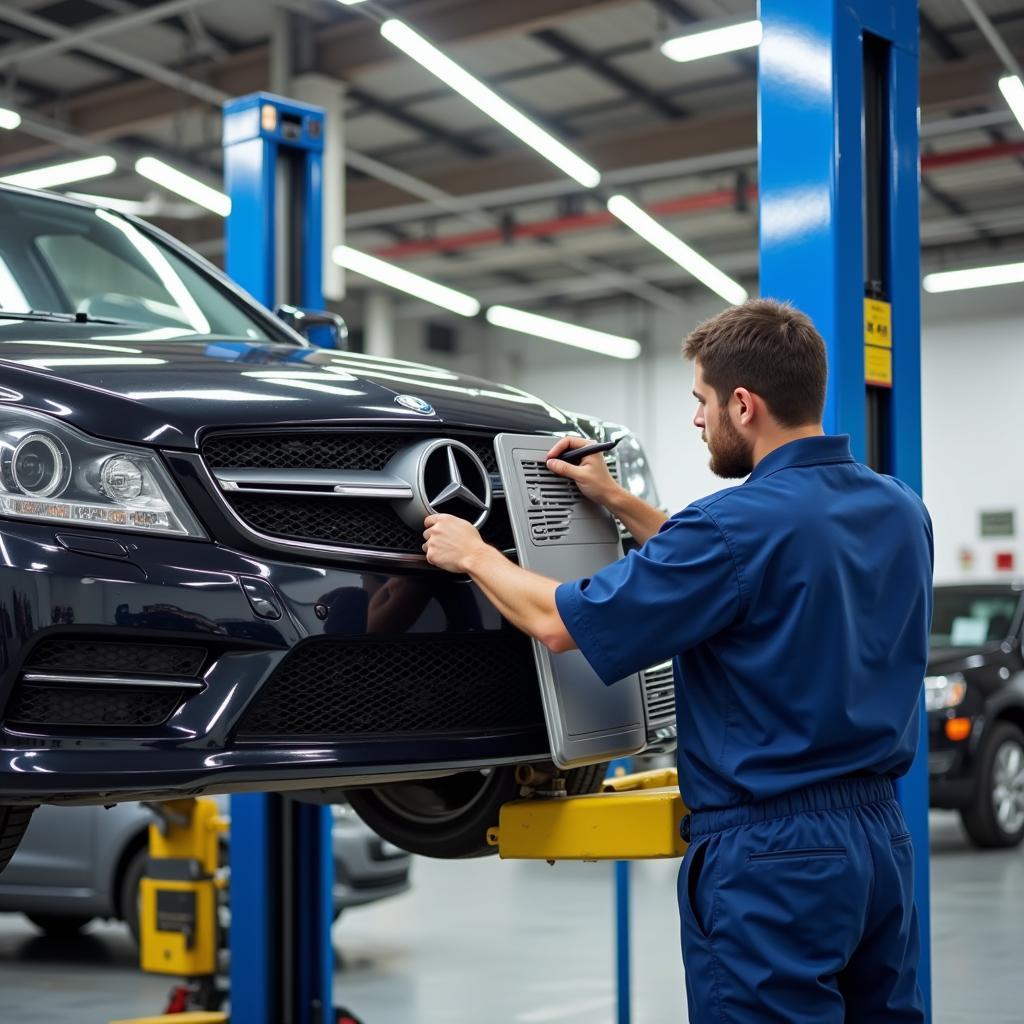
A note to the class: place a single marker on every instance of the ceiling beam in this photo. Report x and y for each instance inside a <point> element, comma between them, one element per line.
<point>343,49</point>
<point>161,75</point>
<point>607,71</point>
<point>64,39</point>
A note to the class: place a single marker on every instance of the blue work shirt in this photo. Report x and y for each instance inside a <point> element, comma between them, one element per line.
<point>797,608</point>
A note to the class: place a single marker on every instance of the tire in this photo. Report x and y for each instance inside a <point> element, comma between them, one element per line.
<point>995,817</point>
<point>128,893</point>
<point>60,925</point>
<point>13,822</point>
<point>449,817</point>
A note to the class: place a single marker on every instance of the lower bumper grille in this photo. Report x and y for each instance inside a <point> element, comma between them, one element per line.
<point>52,705</point>
<point>332,689</point>
<point>68,681</point>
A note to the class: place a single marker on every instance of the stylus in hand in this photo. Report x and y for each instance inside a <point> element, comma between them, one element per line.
<point>574,456</point>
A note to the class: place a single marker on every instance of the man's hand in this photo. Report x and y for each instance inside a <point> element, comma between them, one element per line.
<point>591,475</point>
<point>451,542</point>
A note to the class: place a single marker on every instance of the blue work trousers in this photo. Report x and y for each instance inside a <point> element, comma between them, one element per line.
<point>800,910</point>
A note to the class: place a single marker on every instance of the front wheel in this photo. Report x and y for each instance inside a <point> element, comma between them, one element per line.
<point>13,822</point>
<point>449,817</point>
<point>995,817</point>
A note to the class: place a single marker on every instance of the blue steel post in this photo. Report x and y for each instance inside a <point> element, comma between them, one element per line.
<point>282,962</point>
<point>623,952</point>
<point>811,111</point>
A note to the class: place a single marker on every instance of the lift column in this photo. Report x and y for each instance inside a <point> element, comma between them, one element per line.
<point>838,83</point>
<point>282,868</point>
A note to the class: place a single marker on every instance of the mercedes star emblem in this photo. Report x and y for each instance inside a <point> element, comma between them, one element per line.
<point>445,476</point>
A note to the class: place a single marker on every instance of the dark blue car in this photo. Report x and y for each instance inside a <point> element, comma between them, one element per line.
<point>211,576</point>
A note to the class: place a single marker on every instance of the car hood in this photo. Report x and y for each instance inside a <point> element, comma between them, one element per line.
<point>168,387</point>
<point>943,660</point>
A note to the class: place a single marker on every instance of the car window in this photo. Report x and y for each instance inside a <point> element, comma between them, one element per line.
<point>966,618</point>
<point>62,258</point>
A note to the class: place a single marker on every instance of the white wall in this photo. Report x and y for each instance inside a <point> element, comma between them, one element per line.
<point>973,417</point>
<point>972,369</point>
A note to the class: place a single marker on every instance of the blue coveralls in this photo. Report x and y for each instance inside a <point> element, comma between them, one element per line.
<point>797,608</point>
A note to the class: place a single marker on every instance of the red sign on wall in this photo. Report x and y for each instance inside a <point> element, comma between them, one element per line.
<point>1004,561</point>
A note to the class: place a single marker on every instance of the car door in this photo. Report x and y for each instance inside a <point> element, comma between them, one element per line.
<point>57,851</point>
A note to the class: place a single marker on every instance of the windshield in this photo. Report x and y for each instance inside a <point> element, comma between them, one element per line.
<point>56,257</point>
<point>969,616</point>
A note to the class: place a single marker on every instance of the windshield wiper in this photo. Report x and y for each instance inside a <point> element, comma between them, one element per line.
<point>62,318</point>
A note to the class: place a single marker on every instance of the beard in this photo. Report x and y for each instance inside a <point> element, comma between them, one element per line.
<point>732,457</point>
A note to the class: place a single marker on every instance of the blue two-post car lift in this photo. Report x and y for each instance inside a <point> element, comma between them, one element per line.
<point>839,238</point>
<point>282,868</point>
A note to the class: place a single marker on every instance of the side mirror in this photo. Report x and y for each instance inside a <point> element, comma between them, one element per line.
<point>328,330</point>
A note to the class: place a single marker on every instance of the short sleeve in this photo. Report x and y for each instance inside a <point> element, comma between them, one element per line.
<point>681,588</point>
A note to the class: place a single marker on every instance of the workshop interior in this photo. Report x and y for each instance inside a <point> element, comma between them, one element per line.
<point>281,281</point>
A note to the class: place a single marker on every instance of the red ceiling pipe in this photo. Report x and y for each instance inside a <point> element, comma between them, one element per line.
<point>716,200</point>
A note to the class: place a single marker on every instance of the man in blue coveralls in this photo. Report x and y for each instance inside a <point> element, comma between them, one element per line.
<point>797,609</point>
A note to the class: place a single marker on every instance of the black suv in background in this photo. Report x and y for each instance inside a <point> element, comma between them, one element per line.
<point>211,572</point>
<point>975,698</point>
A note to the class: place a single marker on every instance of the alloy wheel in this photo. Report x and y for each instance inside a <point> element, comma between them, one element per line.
<point>1008,786</point>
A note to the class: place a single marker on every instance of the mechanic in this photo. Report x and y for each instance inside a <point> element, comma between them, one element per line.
<point>797,608</point>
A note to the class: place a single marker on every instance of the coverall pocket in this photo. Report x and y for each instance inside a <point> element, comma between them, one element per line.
<point>806,854</point>
<point>700,910</point>
<point>900,840</point>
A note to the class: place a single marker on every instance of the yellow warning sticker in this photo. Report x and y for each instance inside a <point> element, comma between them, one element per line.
<point>878,366</point>
<point>877,323</point>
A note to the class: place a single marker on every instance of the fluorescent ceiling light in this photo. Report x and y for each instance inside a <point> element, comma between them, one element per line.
<point>710,42</point>
<point>975,277</point>
<point>405,281</point>
<point>1012,89</point>
<point>9,119</point>
<point>566,334</point>
<point>481,96</point>
<point>183,185</point>
<point>63,174</point>
<point>677,250</point>
<point>351,3</point>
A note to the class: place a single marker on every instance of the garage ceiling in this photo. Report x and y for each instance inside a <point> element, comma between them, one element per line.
<point>130,76</point>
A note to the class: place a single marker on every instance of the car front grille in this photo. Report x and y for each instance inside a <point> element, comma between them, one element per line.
<point>363,450</point>
<point>364,523</point>
<point>70,681</point>
<point>334,689</point>
<point>349,522</point>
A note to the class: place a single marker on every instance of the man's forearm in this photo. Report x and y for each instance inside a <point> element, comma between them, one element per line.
<point>642,520</point>
<point>526,599</point>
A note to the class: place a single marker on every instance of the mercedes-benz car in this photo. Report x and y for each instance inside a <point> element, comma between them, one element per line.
<point>60,886</point>
<point>211,573</point>
<point>975,698</point>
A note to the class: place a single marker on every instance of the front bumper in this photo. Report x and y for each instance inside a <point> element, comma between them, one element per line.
<point>952,764</point>
<point>184,592</point>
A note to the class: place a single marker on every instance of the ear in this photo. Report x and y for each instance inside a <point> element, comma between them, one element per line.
<point>744,403</point>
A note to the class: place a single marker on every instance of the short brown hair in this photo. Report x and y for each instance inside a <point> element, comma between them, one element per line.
<point>769,348</point>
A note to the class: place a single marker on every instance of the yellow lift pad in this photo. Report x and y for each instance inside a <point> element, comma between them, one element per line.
<point>636,818</point>
<point>196,1017</point>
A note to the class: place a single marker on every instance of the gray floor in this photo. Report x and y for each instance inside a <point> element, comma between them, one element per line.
<point>489,943</point>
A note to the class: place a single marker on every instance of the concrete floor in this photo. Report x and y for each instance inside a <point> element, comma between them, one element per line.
<point>483,942</point>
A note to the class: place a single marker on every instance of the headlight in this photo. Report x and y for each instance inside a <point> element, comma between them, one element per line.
<point>53,473</point>
<point>941,692</point>
<point>634,469</point>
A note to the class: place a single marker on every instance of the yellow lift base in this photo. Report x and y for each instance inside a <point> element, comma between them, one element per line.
<point>192,1017</point>
<point>635,818</point>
